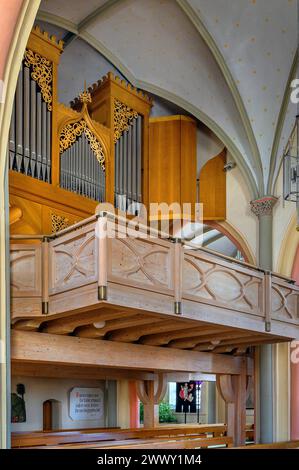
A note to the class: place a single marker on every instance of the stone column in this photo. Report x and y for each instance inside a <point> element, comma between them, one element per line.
<point>17,18</point>
<point>4,317</point>
<point>295,390</point>
<point>263,209</point>
<point>294,359</point>
<point>211,411</point>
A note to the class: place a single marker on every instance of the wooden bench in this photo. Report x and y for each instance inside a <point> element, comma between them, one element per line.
<point>273,445</point>
<point>185,443</point>
<point>174,443</point>
<point>37,439</point>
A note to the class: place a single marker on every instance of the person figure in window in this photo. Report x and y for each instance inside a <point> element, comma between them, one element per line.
<point>183,396</point>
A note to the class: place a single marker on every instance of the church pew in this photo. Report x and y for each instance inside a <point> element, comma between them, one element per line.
<point>185,442</point>
<point>49,431</point>
<point>64,437</point>
<point>273,445</point>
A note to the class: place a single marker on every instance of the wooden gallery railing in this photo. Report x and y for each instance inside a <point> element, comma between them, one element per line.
<point>105,258</point>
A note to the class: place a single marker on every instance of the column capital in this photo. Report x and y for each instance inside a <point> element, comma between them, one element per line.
<point>263,206</point>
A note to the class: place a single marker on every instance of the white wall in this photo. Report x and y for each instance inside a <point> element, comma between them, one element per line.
<point>282,214</point>
<point>39,390</point>
<point>238,210</point>
<point>208,146</point>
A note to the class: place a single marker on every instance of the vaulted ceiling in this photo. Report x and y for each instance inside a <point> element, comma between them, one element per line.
<point>228,62</point>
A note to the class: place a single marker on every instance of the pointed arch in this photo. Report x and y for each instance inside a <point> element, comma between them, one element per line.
<point>194,17</point>
<point>253,184</point>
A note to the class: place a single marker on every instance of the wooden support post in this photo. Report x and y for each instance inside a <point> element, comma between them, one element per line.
<point>45,276</point>
<point>102,240</point>
<point>134,405</point>
<point>151,410</point>
<point>232,388</point>
<point>178,276</point>
<point>150,393</point>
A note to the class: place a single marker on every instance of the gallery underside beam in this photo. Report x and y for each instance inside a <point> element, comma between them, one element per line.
<point>54,349</point>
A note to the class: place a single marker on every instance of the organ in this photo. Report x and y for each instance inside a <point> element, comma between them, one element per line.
<point>125,111</point>
<point>104,147</point>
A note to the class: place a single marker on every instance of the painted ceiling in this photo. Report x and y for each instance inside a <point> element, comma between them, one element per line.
<point>227,62</point>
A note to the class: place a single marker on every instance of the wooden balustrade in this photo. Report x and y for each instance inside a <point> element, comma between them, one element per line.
<point>106,259</point>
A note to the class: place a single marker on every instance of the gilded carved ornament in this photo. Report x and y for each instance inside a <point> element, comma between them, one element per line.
<point>72,131</point>
<point>41,73</point>
<point>59,222</point>
<point>123,117</point>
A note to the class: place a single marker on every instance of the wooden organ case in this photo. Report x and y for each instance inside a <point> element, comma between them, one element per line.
<point>64,160</point>
<point>125,111</point>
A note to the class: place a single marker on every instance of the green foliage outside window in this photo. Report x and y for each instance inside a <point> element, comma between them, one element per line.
<point>166,414</point>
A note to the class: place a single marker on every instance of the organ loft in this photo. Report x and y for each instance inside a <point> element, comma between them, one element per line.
<point>145,311</point>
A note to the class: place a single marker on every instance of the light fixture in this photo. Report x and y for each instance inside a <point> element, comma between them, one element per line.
<point>291,169</point>
<point>229,166</point>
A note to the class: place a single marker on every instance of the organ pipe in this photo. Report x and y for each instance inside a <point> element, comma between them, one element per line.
<point>128,168</point>
<point>30,130</point>
<point>81,172</point>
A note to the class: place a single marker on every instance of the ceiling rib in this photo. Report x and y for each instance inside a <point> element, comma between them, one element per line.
<point>196,112</point>
<point>279,125</point>
<point>68,38</point>
<point>57,20</point>
<point>208,39</point>
<point>92,17</point>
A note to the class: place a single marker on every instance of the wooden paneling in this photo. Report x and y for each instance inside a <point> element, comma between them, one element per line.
<point>39,217</point>
<point>37,201</point>
<point>172,160</point>
<point>30,221</point>
<point>26,276</point>
<point>284,304</point>
<point>212,188</point>
<point>217,282</point>
<point>188,160</point>
<point>26,259</point>
<point>73,261</point>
